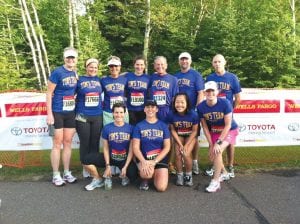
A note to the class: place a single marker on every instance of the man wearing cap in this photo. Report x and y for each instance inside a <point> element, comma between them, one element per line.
<point>60,99</point>
<point>190,82</point>
<point>163,87</point>
<point>220,131</point>
<point>229,88</point>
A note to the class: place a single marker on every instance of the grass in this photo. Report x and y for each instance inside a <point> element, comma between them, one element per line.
<point>248,159</point>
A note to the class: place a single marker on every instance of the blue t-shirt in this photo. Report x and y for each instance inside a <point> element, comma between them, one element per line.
<point>190,83</point>
<point>118,139</point>
<point>214,115</point>
<point>162,90</point>
<point>114,91</point>
<point>136,91</point>
<point>63,97</point>
<point>228,85</point>
<point>183,124</point>
<point>151,138</point>
<point>88,100</point>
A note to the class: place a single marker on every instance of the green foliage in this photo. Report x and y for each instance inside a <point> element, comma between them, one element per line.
<point>256,37</point>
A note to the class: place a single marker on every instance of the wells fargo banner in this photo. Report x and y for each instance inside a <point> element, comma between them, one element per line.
<point>265,117</point>
<point>23,122</point>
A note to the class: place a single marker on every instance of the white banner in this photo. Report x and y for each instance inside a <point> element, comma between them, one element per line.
<point>265,118</point>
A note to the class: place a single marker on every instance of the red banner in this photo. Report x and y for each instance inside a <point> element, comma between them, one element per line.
<point>291,106</point>
<point>258,106</point>
<point>25,109</point>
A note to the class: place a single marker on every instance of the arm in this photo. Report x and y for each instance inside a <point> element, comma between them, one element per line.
<point>49,94</point>
<point>145,165</point>
<point>192,135</point>
<point>107,172</point>
<point>164,152</point>
<point>175,135</point>
<point>128,160</point>
<point>200,96</point>
<point>237,100</point>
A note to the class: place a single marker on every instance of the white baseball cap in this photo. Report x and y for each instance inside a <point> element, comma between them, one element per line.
<point>211,85</point>
<point>114,61</point>
<point>185,55</point>
<point>70,53</point>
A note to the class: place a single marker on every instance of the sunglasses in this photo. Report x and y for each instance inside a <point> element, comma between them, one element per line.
<point>70,57</point>
<point>112,66</point>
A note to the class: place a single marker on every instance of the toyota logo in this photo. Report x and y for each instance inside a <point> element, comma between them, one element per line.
<point>293,126</point>
<point>16,131</point>
<point>242,127</point>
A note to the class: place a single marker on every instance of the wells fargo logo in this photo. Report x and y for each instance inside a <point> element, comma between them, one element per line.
<point>292,106</point>
<point>26,109</point>
<point>258,106</point>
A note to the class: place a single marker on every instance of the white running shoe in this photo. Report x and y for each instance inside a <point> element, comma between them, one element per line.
<point>213,186</point>
<point>58,181</point>
<point>69,178</point>
<point>94,184</point>
<point>224,177</point>
<point>209,172</point>
<point>179,181</point>
<point>195,168</point>
<point>231,171</point>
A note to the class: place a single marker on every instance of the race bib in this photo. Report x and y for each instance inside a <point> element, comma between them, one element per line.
<point>184,131</point>
<point>160,97</point>
<point>151,155</point>
<point>222,95</point>
<point>91,99</point>
<point>68,103</point>
<point>115,99</point>
<point>217,129</point>
<point>118,155</point>
<point>137,99</point>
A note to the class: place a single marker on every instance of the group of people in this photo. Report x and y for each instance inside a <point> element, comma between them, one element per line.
<point>146,122</point>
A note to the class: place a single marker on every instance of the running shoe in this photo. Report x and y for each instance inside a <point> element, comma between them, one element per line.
<point>58,181</point>
<point>69,178</point>
<point>172,169</point>
<point>231,171</point>
<point>213,186</point>
<point>188,180</point>
<point>179,181</point>
<point>195,168</point>
<point>224,177</point>
<point>144,185</point>
<point>94,184</point>
<point>125,181</point>
<point>209,172</point>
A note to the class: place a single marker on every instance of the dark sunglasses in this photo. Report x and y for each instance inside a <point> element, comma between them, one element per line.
<point>71,57</point>
<point>111,66</point>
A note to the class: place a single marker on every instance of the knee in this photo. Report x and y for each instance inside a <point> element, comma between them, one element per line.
<point>161,188</point>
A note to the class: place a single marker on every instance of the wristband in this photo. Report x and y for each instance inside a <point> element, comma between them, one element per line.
<point>219,142</point>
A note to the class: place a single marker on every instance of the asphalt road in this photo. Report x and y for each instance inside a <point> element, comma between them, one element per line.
<point>270,197</point>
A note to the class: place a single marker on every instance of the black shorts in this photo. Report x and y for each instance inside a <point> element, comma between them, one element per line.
<point>64,120</point>
<point>136,116</point>
<point>161,165</point>
<point>198,130</point>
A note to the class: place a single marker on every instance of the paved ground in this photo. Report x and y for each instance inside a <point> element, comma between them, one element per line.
<point>271,197</point>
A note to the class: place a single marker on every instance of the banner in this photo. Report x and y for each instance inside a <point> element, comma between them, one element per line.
<point>265,118</point>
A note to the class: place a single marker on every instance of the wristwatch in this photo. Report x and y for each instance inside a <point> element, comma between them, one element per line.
<point>219,142</point>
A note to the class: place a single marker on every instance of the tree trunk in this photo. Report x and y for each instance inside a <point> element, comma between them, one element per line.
<point>75,23</point>
<point>12,45</point>
<point>71,24</point>
<point>200,17</point>
<point>37,43</point>
<point>147,34</point>
<point>41,39</point>
<point>292,5</point>
<point>31,45</point>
